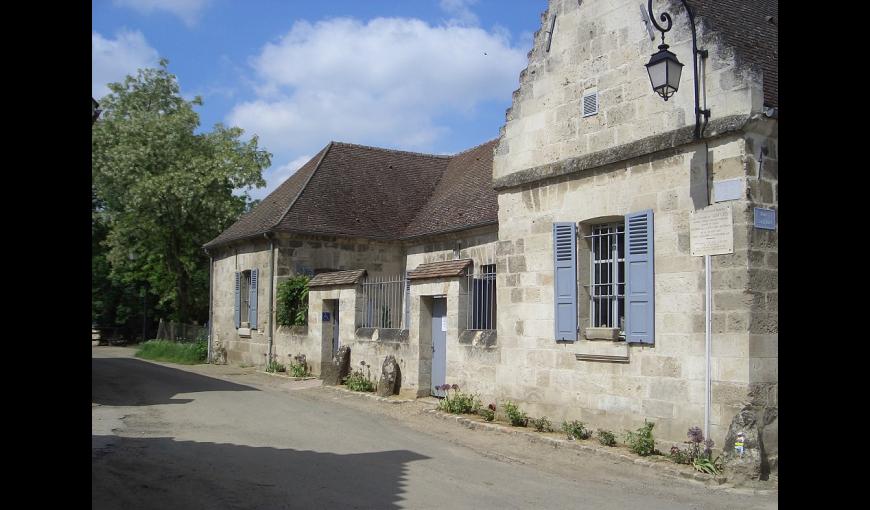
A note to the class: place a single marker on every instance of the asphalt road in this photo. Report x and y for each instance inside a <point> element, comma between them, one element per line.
<point>215,437</point>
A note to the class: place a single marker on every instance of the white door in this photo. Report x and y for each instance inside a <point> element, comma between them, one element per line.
<point>439,345</point>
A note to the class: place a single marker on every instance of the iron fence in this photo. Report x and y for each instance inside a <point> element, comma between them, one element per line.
<point>383,297</point>
<point>179,332</point>
<point>481,299</point>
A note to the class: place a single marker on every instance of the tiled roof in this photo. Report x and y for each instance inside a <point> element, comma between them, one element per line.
<point>359,191</point>
<point>751,28</point>
<point>464,197</point>
<point>439,269</point>
<point>364,192</point>
<point>270,210</point>
<point>337,278</point>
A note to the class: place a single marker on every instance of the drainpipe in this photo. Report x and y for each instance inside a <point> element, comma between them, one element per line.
<point>271,239</point>
<point>210,309</point>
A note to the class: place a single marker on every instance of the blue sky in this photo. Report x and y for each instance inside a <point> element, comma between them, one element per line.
<point>422,75</point>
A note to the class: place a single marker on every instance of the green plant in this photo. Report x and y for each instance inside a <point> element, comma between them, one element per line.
<point>516,416</point>
<point>711,467</point>
<point>488,413</point>
<point>273,366</point>
<point>542,424</point>
<point>292,301</point>
<point>461,403</point>
<point>576,430</point>
<point>701,459</point>
<point>641,441</point>
<point>187,353</point>
<point>358,381</point>
<point>299,366</point>
<point>606,437</point>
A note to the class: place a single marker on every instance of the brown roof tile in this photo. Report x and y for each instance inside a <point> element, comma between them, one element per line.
<point>337,278</point>
<point>463,198</point>
<point>272,208</point>
<point>439,269</point>
<point>359,191</point>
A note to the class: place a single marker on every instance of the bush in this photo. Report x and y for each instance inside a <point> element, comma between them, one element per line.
<point>606,437</point>
<point>299,366</point>
<point>292,302</point>
<point>488,413</point>
<point>641,441</point>
<point>576,430</point>
<point>273,366</point>
<point>701,459</point>
<point>186,353</point>
<point>517,417</point>
<point>542,424</point>
<point>461,403</point>
<point>358,381</point>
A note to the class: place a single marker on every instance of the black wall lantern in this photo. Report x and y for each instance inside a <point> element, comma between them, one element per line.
<point>664,69</point>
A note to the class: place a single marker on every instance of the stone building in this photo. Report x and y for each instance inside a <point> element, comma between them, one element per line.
<point>579,212</point>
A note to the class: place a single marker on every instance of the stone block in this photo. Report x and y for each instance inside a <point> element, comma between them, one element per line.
<point>658,409</point>
<point>660,366</point>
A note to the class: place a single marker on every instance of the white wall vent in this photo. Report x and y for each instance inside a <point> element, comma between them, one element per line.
<point>590,103</point>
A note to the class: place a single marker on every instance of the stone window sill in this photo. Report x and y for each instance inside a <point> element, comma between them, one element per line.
<point>245,332</point>
<point>611,334</point>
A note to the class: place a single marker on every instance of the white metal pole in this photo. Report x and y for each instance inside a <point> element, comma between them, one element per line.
<point>708,327</point>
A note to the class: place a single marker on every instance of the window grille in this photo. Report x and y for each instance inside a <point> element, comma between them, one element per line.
<point>481,299</point>
<point>382,302</point>
<point>607,276</point>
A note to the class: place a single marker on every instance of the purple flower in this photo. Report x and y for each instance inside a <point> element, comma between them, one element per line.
<point>455,387</point>
<point>696,435</point>
<point>444,387</point>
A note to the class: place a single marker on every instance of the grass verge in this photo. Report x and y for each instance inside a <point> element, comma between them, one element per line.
<point>191,353</point>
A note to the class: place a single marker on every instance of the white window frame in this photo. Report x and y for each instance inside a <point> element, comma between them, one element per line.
<point>605,271</point>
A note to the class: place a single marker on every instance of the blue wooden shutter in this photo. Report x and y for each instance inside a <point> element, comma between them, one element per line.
<point>640,285</point>
<point>565,280</point>
<point>252,302</point>
<point>237,309</point>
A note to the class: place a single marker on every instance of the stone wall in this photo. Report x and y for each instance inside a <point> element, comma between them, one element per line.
<point>603,45</point>
<point>663,382</point>
<point>248,349</point>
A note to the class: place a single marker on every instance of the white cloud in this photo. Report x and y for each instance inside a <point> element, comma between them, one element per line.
<point>113,59</point>
<point>387,82</point>
<point>188,10</point>
<point>460,11</point>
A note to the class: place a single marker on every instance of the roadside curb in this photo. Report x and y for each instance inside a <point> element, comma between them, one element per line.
<point>371,396</point>
<point>289,377</point>
<point>665,467</point>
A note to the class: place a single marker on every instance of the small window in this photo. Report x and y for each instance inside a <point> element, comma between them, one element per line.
<point>481,306</point>
<point>245,295</point>
<point>606,287</point>
<point>590,104</point>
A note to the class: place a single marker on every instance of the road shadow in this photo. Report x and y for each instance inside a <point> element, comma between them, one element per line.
<point>161,473</point>
<point>132,382</point>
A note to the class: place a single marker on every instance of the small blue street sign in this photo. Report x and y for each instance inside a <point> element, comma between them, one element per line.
<point>765,218</point>
<point>326,317</point>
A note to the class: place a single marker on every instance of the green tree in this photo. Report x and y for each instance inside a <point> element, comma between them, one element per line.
<point>162,190</point>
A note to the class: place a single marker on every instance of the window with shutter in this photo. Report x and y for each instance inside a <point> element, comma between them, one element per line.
<point>244,297</point>
<point>237,302</point>
<point>252,300</point>
<point>565,280</point>
<point>640,281</point>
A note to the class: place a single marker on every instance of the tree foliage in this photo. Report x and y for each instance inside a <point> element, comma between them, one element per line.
<point>162,190</point>
<point>292,301</point>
